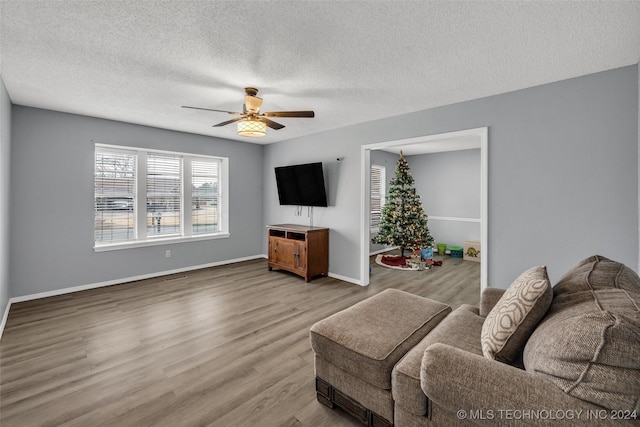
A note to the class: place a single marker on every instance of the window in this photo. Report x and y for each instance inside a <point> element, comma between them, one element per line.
<point>115,196</point>
<point>378,184</point>
<point>145,197</point>
<point>164,195</point>
<point>205,194</point>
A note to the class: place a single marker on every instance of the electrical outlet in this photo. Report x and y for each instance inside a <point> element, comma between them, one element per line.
<point>167,254</point>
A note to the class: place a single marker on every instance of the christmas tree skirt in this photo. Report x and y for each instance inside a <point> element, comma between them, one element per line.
<point>396,262</point>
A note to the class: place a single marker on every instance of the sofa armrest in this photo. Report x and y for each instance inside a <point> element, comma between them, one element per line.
<point>489,298</point>
<point>492,393</point>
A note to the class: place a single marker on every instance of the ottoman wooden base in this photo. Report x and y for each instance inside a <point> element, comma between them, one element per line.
<point>331,397</point>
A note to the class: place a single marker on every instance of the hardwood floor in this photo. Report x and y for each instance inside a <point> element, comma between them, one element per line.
<point>223,346</point>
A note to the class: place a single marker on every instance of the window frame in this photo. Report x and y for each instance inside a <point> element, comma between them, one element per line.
<point>140,209</point>
<point>382,195</point>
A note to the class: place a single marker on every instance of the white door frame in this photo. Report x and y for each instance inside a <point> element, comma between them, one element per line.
<point>365,176</point>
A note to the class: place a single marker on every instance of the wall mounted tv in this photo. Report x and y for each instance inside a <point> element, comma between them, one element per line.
<point>301,185</point>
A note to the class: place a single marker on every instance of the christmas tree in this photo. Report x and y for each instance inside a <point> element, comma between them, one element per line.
<point>403,222</point>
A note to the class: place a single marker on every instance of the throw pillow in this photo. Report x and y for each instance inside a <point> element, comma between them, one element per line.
<point>593,352</point>
<point>512,320</point>
<point>597,272</point>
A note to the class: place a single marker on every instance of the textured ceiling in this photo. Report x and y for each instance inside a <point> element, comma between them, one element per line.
<point>350,61</point>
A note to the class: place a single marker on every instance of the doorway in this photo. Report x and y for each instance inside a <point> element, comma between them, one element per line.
<point>450,141</point>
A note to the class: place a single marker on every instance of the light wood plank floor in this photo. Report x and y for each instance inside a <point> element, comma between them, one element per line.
<point>223,346</point>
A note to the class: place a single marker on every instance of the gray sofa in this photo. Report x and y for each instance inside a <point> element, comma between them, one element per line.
<point>577,361</point>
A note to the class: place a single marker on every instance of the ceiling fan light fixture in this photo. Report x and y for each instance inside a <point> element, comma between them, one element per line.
<point>251,122</point>
<point>252,128</point>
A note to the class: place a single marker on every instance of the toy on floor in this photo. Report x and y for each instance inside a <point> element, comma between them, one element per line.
<point>426,255</point>
<point>434,262</point>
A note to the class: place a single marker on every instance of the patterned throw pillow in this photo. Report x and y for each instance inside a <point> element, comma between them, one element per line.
<point>513,319</point>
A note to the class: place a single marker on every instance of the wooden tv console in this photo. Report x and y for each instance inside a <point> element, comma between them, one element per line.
<point>299,249</point>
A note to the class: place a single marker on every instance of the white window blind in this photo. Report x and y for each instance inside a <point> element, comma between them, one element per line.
<point>147,197</point>
<point>115,196</point>
<point>205,196</point>
<point>378,184</point>
<point>164,194</point>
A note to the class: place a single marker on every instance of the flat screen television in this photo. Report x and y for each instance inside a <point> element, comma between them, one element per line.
<point>301,185</point>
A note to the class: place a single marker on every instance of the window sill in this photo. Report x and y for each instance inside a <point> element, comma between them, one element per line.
<point>157,242</point>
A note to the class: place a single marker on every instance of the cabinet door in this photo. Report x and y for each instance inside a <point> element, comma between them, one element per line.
<point>273,249</point>
<point>301,256</point>
<point>284,252</point>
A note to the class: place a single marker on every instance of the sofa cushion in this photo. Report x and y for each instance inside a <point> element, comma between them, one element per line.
<point>588,345</point>
<point>597,272</point>
<point>514,317</point>
<point>460,329</point>
<point>368,338</point>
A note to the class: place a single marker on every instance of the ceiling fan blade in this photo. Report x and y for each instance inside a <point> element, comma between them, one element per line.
<point>289,114</point>
<point>211,109</point>
<point>271,123</point>
<point>228,122</point>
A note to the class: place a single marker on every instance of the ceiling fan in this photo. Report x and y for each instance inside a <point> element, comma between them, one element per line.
<point>251,122</point>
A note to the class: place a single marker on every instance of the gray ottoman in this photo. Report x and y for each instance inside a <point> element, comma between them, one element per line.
<point>357,348</point>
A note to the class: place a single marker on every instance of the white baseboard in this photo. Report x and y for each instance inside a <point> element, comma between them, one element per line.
<point>128,279</point>
<point>346,279</point>
<point>4,318</point>
<point>383,250</point>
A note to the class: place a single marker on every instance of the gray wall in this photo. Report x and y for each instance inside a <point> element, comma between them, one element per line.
<point>5,145</point>
<point>563,184</point>
<point>563,173</point>
<point>389,161</point>
<point>449,186</point>
<point>52,202</point>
